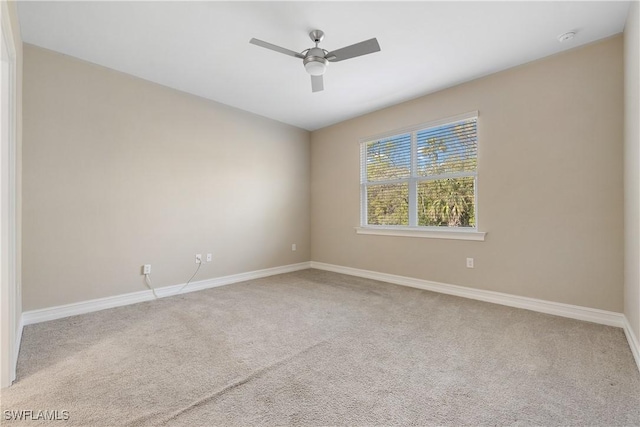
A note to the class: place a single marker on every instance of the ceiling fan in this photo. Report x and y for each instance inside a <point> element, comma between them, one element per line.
<point>316,59</point>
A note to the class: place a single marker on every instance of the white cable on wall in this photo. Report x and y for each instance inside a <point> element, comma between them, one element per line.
<point>147,281</point>
<point>191,278</point>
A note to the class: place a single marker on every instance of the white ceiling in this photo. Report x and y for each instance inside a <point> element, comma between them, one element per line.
<point>203,47</point>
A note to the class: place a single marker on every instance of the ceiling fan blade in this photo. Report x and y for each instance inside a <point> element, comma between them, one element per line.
<point>358,49</point>
<point>317,84</point>
<point>276,48</point>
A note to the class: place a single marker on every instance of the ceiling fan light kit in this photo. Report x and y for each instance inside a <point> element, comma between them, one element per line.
<point>314,62</point>
<point>315,59</point>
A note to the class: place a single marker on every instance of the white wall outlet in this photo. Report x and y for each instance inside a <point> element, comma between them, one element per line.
<point>198,258</point>
<point>146,269</point>
<point>294,247</point>
<point>209,257</point>
<point>469,262</point>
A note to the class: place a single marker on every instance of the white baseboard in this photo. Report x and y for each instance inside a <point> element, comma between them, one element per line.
<point>594,315</point>
<point>633,341</point>
<point>58,312</point>
<point>549,307</point>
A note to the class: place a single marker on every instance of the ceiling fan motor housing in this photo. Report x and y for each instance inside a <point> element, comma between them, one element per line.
<point>315,62</point>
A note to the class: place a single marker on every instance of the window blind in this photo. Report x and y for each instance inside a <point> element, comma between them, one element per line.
<point>447,149</point>
<point>389,159</point>
<point>423,177</point>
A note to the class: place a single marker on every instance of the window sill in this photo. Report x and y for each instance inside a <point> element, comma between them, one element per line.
<point>429,234</point>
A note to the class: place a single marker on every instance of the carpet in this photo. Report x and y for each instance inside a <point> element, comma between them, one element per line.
<point>317,348</point>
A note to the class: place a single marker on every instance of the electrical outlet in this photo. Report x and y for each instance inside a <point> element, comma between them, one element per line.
<point>198,258</point>
<point>469,262</point>
<point>146,269</point>
<point>209,257</point>
<point>294,247</point>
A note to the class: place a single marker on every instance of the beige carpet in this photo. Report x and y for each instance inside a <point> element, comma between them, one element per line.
<point>316,348</point>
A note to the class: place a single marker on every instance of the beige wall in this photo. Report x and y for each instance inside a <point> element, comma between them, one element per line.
<point>549,183</point>
<point>120,172</point>
<point>632,168</point>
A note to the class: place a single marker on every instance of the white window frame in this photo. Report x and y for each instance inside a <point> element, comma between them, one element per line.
<point>413,230</point>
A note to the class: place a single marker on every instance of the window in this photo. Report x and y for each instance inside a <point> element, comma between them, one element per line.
<point>422,178</point>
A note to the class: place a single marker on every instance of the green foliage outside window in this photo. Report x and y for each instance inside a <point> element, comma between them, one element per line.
<point>443,172</point>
